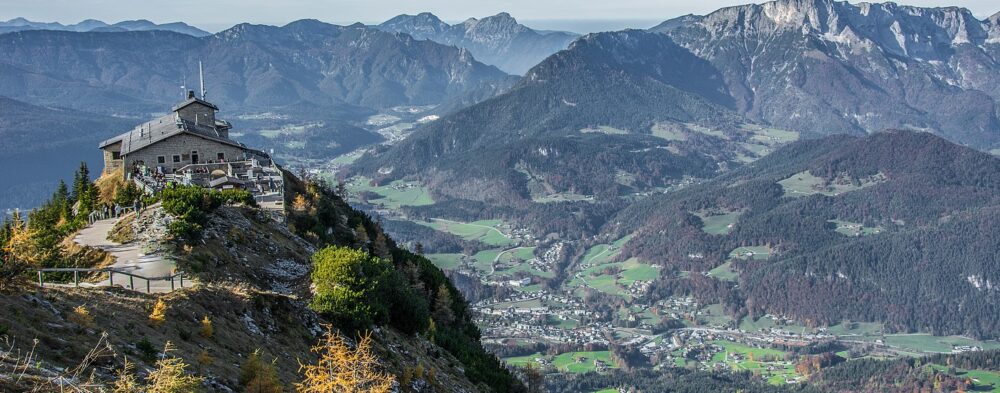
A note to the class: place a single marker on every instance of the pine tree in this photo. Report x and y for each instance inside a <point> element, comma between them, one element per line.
<point>62,203</point>
<point>84,191</point>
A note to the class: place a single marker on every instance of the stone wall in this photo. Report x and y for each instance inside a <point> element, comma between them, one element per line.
<point>183,145</point>
<point>198,113</point>
<point>110,163</point>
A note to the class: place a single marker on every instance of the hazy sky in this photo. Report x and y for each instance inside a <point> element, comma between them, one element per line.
<point>214,15</point>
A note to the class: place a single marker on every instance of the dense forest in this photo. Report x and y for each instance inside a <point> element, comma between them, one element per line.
<point>931,250</point>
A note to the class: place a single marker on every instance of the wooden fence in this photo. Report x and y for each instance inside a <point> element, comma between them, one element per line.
<point>175,279</point>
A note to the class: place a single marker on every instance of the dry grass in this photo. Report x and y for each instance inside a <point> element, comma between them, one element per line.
<point>108,183</point>
<point>123,232</point>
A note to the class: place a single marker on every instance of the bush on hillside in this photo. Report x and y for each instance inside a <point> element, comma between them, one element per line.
<point>191,205</point>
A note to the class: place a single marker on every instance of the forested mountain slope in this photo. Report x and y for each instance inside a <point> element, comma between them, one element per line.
<point>617,103</point>
<point>897,227</point>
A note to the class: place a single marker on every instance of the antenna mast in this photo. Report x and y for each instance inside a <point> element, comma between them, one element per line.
<point>201,76</point>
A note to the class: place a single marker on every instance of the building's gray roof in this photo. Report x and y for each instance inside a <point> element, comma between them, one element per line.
<point>193,100</point>
<point>225,180</point>
<point>162,128</point>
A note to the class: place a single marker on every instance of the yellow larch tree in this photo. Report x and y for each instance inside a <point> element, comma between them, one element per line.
<point>345,370</point>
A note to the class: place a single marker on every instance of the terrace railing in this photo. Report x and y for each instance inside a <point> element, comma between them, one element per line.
<point>176,280</point>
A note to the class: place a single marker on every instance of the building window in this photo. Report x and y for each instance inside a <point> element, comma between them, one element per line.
<point>194,156</point>
<point>177,159</point>
<point>116,155</point>
<point>161,160</point>
<point>222,156</point>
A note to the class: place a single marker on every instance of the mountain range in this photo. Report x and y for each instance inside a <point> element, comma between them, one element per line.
<point>22,24</point>
<point>830,66</point>
<point>247,67</point>
<point>696,84</point>
<point>575,124</point>
<point>496,40</point>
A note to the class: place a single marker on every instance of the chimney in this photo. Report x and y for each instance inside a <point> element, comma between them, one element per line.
<point>190,94</point>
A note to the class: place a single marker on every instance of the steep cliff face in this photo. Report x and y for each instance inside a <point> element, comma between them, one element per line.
<point>834,66</point>
<point>498,40</point>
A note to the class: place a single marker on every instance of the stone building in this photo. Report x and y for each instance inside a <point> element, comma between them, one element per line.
<point>189,135</point>
<point>190,146</point>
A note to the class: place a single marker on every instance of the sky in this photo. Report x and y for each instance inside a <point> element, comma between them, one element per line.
<point>574,15</point>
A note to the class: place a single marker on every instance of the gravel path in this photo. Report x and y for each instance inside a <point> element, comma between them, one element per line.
<point>130,258</point>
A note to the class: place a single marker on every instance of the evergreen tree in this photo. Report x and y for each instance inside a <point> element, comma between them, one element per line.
<point>442,306</point>
<point>61,201</point>
<point>84,191</point>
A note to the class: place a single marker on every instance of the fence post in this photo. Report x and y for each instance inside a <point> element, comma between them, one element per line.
<point>111,277</point>
<point>40,282</point>
<point>171,283</point>
<point>76,278</point>
<point>147,285</point>
<point>131,282</point>
<point>181,274</point>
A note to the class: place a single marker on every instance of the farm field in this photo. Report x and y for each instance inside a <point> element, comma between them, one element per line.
<point>724,272</point>
<point>573,362</point>
<point>347,159</point>
<point>604,130</point>
<point>922,342</point>
<point>754,252</point>
<point>769,363</point>
<point>393,195</point>
<point>561,197</point>
<point>770,136</point>
<point>805,184</point>
<point>521,253</point>
<point>484,231</point>
<point>668,131</point>
<point>627,274</point>
<point>446,261</point>
<point>848,228</point>
<point>983,380</point>
<point>717,224</point>
<point>604,253</point>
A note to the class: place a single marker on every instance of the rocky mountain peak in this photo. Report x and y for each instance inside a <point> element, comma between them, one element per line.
<point>420,26</point>
<point>905,31</point>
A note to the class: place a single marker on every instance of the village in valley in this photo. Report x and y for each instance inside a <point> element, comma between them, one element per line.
<point>599,308</point>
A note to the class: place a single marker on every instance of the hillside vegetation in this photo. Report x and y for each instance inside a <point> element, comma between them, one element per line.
<point>930,258</point>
